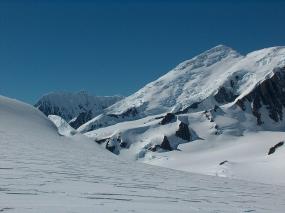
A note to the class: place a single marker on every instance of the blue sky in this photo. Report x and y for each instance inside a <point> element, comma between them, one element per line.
<point>116,47</point>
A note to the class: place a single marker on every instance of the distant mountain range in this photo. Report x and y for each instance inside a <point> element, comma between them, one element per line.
<point>75,108</point>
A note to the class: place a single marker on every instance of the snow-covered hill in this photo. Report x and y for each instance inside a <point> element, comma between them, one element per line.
<point>42,171</point>
<point>75,108</point>
<point>215,77</point>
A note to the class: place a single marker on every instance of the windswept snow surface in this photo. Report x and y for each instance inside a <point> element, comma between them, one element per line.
<point>41,171</point>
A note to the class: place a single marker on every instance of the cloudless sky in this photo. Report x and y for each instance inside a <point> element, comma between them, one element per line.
<point>112,47</point>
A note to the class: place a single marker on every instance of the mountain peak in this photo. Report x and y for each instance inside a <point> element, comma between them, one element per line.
<point>221,50</point>
<point>209,57</point>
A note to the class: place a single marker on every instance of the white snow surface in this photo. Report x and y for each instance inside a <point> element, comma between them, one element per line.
<point>196,80</point>
<point>63,127</point>
<point>42,171</point>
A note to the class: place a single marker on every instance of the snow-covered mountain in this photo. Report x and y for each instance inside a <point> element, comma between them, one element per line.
<point>215,77</point>
<point>43,171</point>
<point>219,113</point>
<point>75,108</point>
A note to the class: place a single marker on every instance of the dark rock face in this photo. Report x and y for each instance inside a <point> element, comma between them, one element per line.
<point>124,144</point>
<point>183,132</point>
<point>217,109</point>
<point>169,117</point>
<point>131,112</point>
<point>273,149</point>
<point>223,162</point>
<point>112,146</point>
<point>271,94</point>
<point>48,109</point>
<point>102,140</point>
<point>154,148</point>
<point>225,96</point>
<point>165,145</point>
<point>187,109</point>
<point>82,118</point>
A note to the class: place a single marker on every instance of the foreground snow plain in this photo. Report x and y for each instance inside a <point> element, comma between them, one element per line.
<point>42,171</point>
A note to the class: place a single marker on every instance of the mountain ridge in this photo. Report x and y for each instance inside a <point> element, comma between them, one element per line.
<point>75,107</point>
<point>215,77</point>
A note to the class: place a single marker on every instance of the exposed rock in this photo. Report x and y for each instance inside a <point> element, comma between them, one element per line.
<point>165,144</point>
<point>102,140</point>
<point>82,118</point>
<point>225,95</point>
<point>273,149</point>
<point>271,94</point>
<point>112,146</point>
<point>216,110</point>
<point>187,109</point>
<point>240,103</point>
<point>154,148</point>
<point>169,117</point>
<point>130,112</point>
<point>223,162</point>
<point>124,144</point>
<point>183,132</point>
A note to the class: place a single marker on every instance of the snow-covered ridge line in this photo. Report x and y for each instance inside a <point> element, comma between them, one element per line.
<point>215,77</point>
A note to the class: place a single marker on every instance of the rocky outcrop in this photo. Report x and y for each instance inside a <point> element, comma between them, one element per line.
<point>165,146</point>
<point>183,132</point>
<point>82,118</point>
<point>169,117</point>
<point>273,149</point>
<point>131,112</point>
<point>223,162</point>
<point>225,95</point>
<point>112,145</point>
<point>269,94</point>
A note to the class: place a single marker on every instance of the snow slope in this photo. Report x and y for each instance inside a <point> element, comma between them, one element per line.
<point>63,127</point>
<point>42,171</point>
<point>217,135</point>
<point>243,157</point>
<point>215,77</point>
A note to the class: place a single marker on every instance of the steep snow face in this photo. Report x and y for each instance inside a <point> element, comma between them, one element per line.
<point>42,171</point>
<point>191,81</point>
<point>215,77</point>
<point>63,127</point>
<point>70,105</point>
